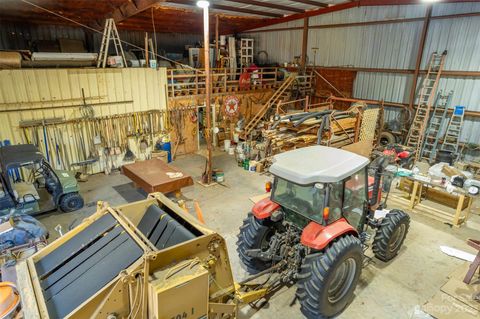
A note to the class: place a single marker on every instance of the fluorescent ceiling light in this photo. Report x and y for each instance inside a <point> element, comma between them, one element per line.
<point>203,4</point>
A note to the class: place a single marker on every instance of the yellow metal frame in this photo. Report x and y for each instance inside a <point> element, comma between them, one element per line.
<point>117,296</point>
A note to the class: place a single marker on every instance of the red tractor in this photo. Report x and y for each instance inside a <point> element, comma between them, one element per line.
<point>314,227</point>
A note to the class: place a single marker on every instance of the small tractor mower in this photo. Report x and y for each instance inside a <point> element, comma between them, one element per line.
<point>29,185</point>
<point>313,228</point>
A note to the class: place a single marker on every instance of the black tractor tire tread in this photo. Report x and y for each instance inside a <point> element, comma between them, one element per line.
<point>314,271</point>
<point>389,223</point>
<point>248,238</point>
<point>64,200</point>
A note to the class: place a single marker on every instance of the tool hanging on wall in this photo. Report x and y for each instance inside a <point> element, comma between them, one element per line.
<point>427,92</point>
<point>86,111</point>
<point>177,121</point>
<point>434,131</point>
<point>110,33</point>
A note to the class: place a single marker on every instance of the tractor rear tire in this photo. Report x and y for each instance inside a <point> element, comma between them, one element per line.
<point>327,280</point>
<point>391,234</point>
<point>254,234</point>
<point>71,202</point>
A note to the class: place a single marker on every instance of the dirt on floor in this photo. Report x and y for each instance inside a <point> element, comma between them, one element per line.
<point>386,290</point>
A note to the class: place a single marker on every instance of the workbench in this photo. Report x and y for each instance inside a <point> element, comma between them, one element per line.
<point>151,176</point>
<point>433,201</point>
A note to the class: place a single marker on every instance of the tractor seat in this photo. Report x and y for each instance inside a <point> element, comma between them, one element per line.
<point>25,192</point>
<point>163,230</point>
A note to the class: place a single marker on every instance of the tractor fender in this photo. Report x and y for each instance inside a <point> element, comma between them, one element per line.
<point>318,237</point>
<point>264,208</point>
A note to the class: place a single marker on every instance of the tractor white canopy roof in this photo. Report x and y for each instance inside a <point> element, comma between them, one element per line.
<point>317,164</point>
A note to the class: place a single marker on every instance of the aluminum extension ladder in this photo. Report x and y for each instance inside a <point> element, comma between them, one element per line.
<point>452,136</point>
<point>110,33</point>
<point>427,92</point>
<point>434,131</point>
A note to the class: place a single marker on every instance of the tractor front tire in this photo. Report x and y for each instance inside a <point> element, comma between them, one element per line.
<point>391,234</point>
<point>328,279</point>
<point>254,234</point>
<point>71,202</point>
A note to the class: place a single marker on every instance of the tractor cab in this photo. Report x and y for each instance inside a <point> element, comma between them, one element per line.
<point>321,185</point>
<point>30,185</point>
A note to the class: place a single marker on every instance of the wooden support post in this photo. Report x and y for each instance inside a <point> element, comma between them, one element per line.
<point>475,264</point>
<point>225,80</point>
<point>421,47</point>
<point>147,60</point>
<point>459,209</point>
<point>413,195</point>
<point>196,81</point>
<point>172,83</point>
<point>303,60</point>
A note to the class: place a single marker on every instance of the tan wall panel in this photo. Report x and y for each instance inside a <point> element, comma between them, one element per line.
<point>51,91</point>
<point>46,88</point>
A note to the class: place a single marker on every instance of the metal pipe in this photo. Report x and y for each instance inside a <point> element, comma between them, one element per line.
<point>323,126</point>
<point>446,73</point>
<point>313,115</point>
<point>206,45</point>
<point>391,104</point>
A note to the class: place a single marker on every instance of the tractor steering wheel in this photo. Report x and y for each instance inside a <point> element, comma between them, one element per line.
<point>347,196</point>
<point>35,175</point>
<point>301,205</point>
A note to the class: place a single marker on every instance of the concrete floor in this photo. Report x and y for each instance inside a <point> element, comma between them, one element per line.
<point>386,290</point>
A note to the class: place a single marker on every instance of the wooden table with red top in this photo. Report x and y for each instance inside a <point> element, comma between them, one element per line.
<point>151,176</point>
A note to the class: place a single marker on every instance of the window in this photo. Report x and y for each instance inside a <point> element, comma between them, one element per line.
<point>305,200</point>
<point>335,201</point>
<point>355,197</point>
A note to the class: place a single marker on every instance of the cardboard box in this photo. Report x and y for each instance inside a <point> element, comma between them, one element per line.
<point>163,155</point>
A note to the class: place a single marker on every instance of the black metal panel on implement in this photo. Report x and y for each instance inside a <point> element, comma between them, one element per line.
<point>75,271</point>
<point>162,229</point>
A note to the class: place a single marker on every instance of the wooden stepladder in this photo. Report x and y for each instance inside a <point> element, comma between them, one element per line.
<point>110,33</point>
<point>277,97</point>
<point>427,92</point>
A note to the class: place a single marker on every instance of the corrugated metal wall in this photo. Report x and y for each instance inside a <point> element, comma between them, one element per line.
<point>15,36</point>
<point>170,42</point>
<point>51,91</point>
<point>389,46</point>
<point>287,44</point>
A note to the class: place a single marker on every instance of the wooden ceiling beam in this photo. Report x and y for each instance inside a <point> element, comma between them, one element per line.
<point>228,8</point>
<point>268,5</point>
<point>312,3</point>
<point>129,9</point>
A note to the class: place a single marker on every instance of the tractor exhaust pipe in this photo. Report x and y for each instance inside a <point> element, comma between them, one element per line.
<point>379,170</point>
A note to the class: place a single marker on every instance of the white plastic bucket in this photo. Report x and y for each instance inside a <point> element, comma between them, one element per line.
<point>227,144</point>
<point>236,137</point>
<point>252,167</point>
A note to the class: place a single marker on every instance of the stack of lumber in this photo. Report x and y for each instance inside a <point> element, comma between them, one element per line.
<point>292,131</point>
